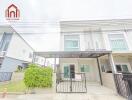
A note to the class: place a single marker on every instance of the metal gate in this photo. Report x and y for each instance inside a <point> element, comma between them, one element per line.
<point>71,84</point>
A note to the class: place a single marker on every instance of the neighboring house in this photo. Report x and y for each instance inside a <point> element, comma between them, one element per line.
<point>14,52</point>
<point>97,36</point>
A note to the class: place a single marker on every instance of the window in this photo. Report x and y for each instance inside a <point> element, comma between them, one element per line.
<point>122,68</point>
<point>117,42</point>
<point>84,68</point>
<point>118,68</point>
<point>71,42</point>
<point>125,68</point>
<point>5,41</point>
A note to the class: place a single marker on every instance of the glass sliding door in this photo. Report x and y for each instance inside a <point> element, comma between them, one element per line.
<point>66,71</point>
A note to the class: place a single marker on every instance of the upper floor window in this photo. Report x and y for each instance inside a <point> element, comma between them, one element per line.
<point>71,42</point>
<point>117,42</point>
<point>5,41</point>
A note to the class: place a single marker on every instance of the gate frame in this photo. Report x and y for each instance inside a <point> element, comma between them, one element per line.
<point>70,87</point>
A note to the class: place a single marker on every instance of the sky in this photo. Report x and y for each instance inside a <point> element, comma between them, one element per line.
<point>39,19</point>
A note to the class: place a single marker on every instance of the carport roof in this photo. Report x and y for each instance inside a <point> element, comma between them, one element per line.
<point>72,54</point>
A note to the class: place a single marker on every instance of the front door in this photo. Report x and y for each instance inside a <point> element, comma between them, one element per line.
<point>72,71</point>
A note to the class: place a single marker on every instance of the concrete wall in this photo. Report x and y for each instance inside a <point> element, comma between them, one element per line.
<point>93,75</point>
<point>17,76</point>
<point>107,78</point>
<point>19,49</point>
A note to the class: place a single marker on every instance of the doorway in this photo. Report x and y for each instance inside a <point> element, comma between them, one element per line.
<point>69,71</point>
<point>72,71</point>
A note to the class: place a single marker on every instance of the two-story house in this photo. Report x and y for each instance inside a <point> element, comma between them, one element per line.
<point>92,51</point>
<point>14,52</point>
<point>97,36</point>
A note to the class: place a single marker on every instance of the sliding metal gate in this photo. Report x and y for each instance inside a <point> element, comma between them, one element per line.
<point>74,83</point>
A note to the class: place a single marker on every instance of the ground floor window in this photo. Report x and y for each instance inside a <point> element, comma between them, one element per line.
<point>122,68</point>
<point>84,68</point>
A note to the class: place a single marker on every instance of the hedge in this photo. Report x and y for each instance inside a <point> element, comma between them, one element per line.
<point>36,76</point>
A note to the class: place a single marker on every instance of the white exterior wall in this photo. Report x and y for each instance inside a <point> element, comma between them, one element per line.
<point>82,43</point>
<point>129,38</point>
<point>92,76</point>
<point>93,27</point>
<point>19,49</point>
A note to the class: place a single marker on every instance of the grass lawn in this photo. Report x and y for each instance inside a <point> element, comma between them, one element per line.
<point>13,86</point>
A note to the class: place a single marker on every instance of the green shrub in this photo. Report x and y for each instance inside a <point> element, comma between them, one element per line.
<point>32,66</point>
<point>38,76</point>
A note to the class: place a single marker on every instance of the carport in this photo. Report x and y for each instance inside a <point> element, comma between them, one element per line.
<point>76,54</point>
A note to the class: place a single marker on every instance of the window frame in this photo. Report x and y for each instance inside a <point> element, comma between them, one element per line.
<point>84,67</point>
<point>121,64</point>
<point>118,38</point>
<point>74,39</point>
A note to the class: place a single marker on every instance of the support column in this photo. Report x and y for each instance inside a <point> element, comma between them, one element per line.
<point>99,71</point>
<point>33,59</point>
<point>44,61</point>
<point>111,60</point>
<point>110,57</point>
<point>54,65</point>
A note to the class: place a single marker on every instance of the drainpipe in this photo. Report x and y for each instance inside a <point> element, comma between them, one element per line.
<point>33,59</point>
<point>44,61</point>
<point>54,65</point>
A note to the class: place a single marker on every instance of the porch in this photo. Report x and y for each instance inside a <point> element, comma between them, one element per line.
<point>69,82</point>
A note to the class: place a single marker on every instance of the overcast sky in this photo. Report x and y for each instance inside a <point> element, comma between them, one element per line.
<point>41,17</point>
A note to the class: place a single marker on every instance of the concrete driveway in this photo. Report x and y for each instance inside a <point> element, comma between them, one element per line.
<point>62,97</point>
<point>94,92</point>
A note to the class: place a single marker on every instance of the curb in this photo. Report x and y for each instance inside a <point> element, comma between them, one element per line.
<point>14,93</point>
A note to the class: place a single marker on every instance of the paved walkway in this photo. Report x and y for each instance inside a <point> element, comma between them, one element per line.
<point>94,92</point>
<point>63,97</point>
